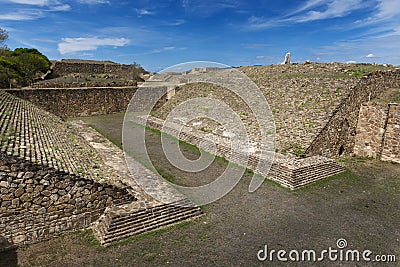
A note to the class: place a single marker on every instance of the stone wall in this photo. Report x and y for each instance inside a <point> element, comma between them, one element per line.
<point>75,102</point>
<point>371,130</point>
<point>61,68</point>
<point>38,202</point>
<point>338,135</point>
<point>391,145</point>
<point>378,132</point>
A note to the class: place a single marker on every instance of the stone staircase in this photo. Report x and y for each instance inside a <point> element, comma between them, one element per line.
<point>122,222</point>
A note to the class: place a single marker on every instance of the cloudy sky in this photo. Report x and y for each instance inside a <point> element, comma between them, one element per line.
<point>158,34</point>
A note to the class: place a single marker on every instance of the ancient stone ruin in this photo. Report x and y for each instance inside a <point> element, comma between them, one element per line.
<point>53,180</point>
<point>287,58</point>
<point>58,176</point>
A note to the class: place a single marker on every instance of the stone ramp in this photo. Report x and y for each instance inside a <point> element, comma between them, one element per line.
<point>51,181</point>
<point>38,136</point>
<point>145,214</point>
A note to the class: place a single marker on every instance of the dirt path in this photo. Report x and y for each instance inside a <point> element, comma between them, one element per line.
<point>361,207</point>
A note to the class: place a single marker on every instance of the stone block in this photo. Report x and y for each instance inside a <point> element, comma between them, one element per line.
<point>46,193</point>
<point>26,197</point>
<point>4,184</point>
<point>29,175</point>
<point>19,192</point>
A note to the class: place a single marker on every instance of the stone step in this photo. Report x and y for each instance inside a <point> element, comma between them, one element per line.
<point>152,226</point>
<point>148,218</point>
<point>113,227</point>
<point>120,219</point>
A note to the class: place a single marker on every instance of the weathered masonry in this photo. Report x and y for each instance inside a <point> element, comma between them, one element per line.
<point>338,136</point>
<point>75,102</point>
<point>65,67</point>
<point>378,132</point>
<point>52,181</point>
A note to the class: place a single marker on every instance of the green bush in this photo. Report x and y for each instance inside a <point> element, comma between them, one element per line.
<point>21,66</point>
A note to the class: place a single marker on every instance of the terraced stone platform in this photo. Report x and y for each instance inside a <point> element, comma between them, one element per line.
<point>302,97</point>
<point>289,172</point>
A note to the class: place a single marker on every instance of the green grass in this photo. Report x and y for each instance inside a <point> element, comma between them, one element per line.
<point>111,139</point>
<point>391,95</point>
<point>88,238</point>
<point>358,73</point>
<point>171,178</point>
<point>166,175</point>
<point>206,130</point>
<point>151,233</point>
<point>362,159</point>
<point>347,174</point>
<point>297,150</point>
<point>4,139</point>
<point>181,142</point>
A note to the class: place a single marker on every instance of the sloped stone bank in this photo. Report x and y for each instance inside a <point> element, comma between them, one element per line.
<point>51,180</point>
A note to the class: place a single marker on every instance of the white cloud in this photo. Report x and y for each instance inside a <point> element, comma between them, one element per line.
<point>206,8</point>
<point>93,2</point>
<point>54,5</point>
<point>28,2</point>
<point>370,56</point>
<point>312,10</point>
<point>309,4</point>
<point>60,8</point>
<point>177,22</point>
<point>44,40</point>
<point>334,9</point>
<point>37,9</point>
<point>71,45</point>
<point>388,9</point>
<point>143,11</point>
<point>26,14</point>
<point>357,49</point>
<point>168,48</point>
<point>257,23</point>
<point>385,19</point>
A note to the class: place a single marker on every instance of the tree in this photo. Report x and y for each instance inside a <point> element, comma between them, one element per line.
<point>22,66</point>
<point>137,69</point>
<point>3,38</point>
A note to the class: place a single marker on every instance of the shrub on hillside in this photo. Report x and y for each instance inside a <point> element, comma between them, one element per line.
<point>21,66</point>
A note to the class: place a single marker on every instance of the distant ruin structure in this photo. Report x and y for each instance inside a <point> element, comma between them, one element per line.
<point>287,58</point>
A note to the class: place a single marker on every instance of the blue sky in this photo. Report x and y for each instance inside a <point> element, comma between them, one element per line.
<point>158,34</point>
